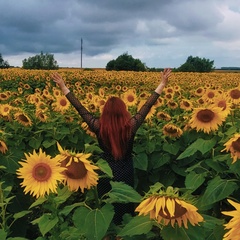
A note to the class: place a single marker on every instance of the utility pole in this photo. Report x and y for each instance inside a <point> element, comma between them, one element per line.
<point>81,50</point>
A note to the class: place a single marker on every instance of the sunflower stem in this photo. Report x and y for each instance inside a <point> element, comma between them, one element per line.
<point>97,202</point>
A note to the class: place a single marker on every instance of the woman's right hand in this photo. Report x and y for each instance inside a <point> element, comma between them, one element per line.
<point>165,75</point>
<point>57,78</point>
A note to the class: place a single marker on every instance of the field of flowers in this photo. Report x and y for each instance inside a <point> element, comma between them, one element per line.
<point>186,157</point>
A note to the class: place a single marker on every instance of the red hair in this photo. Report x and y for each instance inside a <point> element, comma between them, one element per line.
<point>115,126</point>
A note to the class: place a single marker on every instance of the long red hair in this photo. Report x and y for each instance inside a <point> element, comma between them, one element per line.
<point>115,126</point>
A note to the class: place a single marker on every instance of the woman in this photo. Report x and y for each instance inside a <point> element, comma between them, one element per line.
<point>115,130</point>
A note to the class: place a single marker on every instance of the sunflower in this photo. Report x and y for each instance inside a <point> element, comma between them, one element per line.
<point>234,224</point>
<point>56,92</point>
<point>207,119</point>
<point>186,105</point>
<point>79,171</point>
<point>62,104</point>
<point>41,115</point>
<point>199,91</point>
<point>23,119</point>
<point>201,101</point>
<point>40,173</point>
<point>224,103</point>
<point>130,97</point>
<point>4,96</point>
<point>234,95</point>
<point>172,104</point>
<point>233,145</point>
<point>163,116</point>
<point>3,147</point>
<point>167,207</point>
<point>5,109</point>
<point>209,95</point>
<point>172,131</point>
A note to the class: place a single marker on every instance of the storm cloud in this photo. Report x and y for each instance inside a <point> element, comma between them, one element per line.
<point>159,33</point>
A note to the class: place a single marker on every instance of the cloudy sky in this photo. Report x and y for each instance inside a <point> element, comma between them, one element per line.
<point>161,33</point>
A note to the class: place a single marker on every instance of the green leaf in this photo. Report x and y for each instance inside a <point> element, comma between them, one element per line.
<point>122,193</point>
<point>39,201</point>
<point>157,159</point>
<point>63,195</point>
<point>79,217</point>
<point>46,223</point>
<point>97,222</point>
<point>10,160</point>
<point>141,161</point>
<point>171,148</point>
<point>181,233</point>
<point>16,238</point>
<point>216,190</point>
<point>49,142</point>
<point>194,180</point>
<point>66,210</point>
<point>201,145</point>
<point>35,142</point>
<point>104,166</point>
<point>3,234</point>
<point>137,226</point>
<point>21,214</point>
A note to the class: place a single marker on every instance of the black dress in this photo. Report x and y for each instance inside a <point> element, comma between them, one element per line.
<point>122,169</point>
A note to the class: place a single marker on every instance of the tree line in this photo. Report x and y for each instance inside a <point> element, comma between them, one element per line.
<point>124,62</point>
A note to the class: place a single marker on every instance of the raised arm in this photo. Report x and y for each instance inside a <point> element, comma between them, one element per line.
<point>164,80</point>
<point>140,116</point>
<point>83,112</point>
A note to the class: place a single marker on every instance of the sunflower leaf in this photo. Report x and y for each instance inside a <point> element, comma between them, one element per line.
<point>141,161</point>
<point>46,223</point>
<point>100,220</point>
<point>137,226</point>
<point>181,233</point>
<point>201,145</point>
<point>104,166</point>
<point>39,201</point>
<point>122,193</point>
<point>216,190</point>
<point>194,180</point>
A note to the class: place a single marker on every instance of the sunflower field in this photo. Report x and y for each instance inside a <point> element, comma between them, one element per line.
<point>186,157</point>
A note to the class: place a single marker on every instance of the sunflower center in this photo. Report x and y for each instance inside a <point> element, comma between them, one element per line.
<point>179,211</point>
<point>222,104</point>
<point>41,172</point>
<point>186,104</point>
<point>23,118</point>
<point>6,109</point>
<point>130,98</point>
<point>235,94</point>
<point>171,130</point>
<point>76,170</point>
<point>199,90</point>
<point>211,95</point>
<point>236,145</point>
<point>205,115</point>
<point>63,102</point>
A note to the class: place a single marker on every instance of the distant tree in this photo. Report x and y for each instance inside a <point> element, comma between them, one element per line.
<point>196,64</point>
<point>41,61</point>
<point>3,64</point>
<point>127,63</point>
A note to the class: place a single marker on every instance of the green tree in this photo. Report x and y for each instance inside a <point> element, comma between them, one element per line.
<point>127,63</point>
<point>41,61</point>
<point>196,64</point>
<point>3,64</point>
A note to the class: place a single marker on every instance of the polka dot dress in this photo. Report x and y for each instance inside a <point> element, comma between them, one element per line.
<point>122,169</point>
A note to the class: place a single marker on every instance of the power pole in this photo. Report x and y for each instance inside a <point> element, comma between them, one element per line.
<point>81,50</point>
